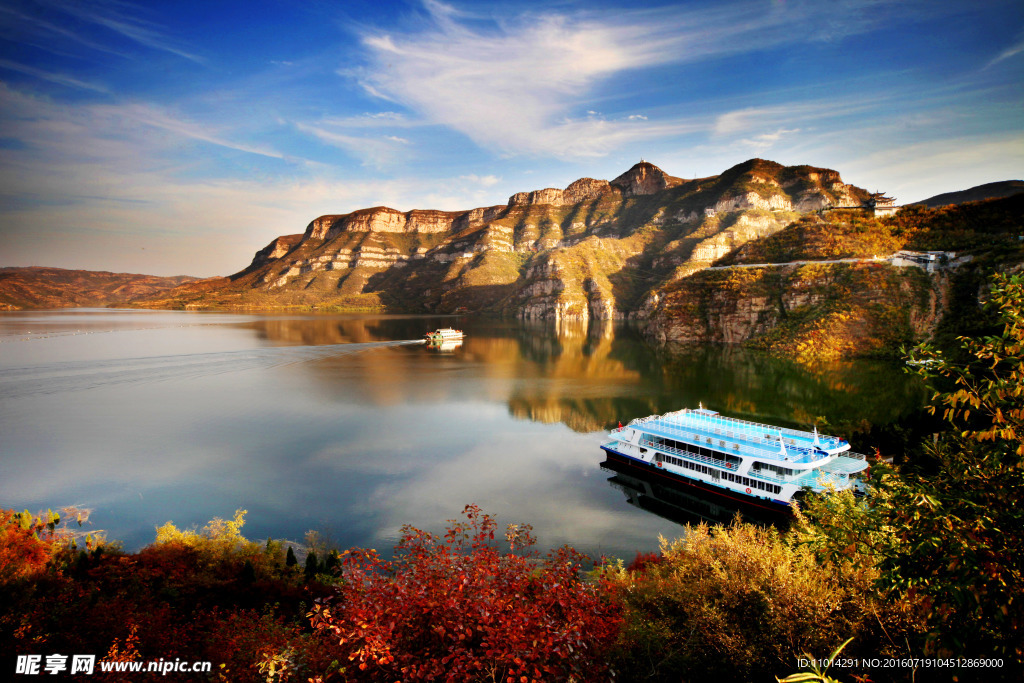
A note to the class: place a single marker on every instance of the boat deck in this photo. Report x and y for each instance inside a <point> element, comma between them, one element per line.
<point>708,429</point>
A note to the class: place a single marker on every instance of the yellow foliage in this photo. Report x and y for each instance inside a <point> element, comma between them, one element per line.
<point>218,538</point>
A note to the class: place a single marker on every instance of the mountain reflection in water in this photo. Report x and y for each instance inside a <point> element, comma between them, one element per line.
<point>591,377</point>
<point>329,422</point>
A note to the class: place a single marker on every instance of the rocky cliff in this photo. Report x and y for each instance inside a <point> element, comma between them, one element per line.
<point>639,247</point>
<point>593,250</point>
<point>826,286</point>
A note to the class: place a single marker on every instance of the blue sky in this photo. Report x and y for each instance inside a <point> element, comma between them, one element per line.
<point>181,137</point>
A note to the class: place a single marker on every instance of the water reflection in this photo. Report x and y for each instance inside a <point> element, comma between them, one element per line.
<point>326,421</point>
<point>684,504</point>
<point>591,377</point>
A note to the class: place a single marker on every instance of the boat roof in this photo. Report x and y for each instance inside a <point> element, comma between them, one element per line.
<point>762,441</point>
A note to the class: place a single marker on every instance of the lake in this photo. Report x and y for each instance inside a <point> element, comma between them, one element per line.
<point>344,425</point>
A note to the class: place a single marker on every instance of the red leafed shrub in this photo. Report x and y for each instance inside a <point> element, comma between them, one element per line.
<point>643,560</point>
<point>26,545</point>
<point>460,609</point>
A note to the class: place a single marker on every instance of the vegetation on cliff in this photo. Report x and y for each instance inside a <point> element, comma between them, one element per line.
<point>841,234</point>
<point>866,307</point>
<point>808,312</point>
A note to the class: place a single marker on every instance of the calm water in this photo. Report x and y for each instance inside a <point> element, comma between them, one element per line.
<point>339,424</point>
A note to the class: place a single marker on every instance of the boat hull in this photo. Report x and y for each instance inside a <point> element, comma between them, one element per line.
<point>618,460</point>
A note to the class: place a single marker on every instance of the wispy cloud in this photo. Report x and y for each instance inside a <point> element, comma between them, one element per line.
<point>114,188</point>
<point>156,117</point>
<point>39,31</point>
<point>119,18</point>
<point>53,77</point>
<point>522,85</point>
<point>1009,52</point>
<point>768,140</point>
<point>379,151</point>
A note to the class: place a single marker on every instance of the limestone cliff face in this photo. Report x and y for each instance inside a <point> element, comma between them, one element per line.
<point>811,312</point>
<point>275,250</point>
<point>578,191</point>
<point>595,250</point>
<point>381,219</point>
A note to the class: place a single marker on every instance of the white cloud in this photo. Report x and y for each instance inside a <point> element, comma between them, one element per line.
<point>485,181</point>
<point>1009,52</point>
<point>377,151</point>
<point>517,87</point>
<point>767,140</point>
<point>106,187</point>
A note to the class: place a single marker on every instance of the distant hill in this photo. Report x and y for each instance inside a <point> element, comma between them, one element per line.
<point>1003,188</point>
<point>40,287</point>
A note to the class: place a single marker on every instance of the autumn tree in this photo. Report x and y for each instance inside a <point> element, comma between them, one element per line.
<point>950,538</point>
<point>461,609</point>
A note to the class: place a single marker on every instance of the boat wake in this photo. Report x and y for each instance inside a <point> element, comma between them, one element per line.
<point>66,376</point>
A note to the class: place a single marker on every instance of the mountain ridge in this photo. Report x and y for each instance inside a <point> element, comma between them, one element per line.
<point>506,258</point>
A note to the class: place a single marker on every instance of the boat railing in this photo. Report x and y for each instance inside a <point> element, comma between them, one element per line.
<point>731,444</point>
<point>687,454</point>
<point>817,479</point>
<point>686,415</point>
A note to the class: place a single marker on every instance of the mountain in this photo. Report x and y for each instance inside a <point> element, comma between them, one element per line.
<point>1003,188</point>
<point>595,249</point>
<point>37,287</point>
<point>786,258</point>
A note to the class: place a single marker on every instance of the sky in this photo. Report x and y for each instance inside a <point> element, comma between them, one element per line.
<point>178,138</point>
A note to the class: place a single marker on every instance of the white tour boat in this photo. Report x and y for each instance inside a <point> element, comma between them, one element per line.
<point>444,334</point>
<point>746,461</point>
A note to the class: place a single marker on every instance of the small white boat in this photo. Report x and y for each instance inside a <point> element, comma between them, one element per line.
<point>444,334</point>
